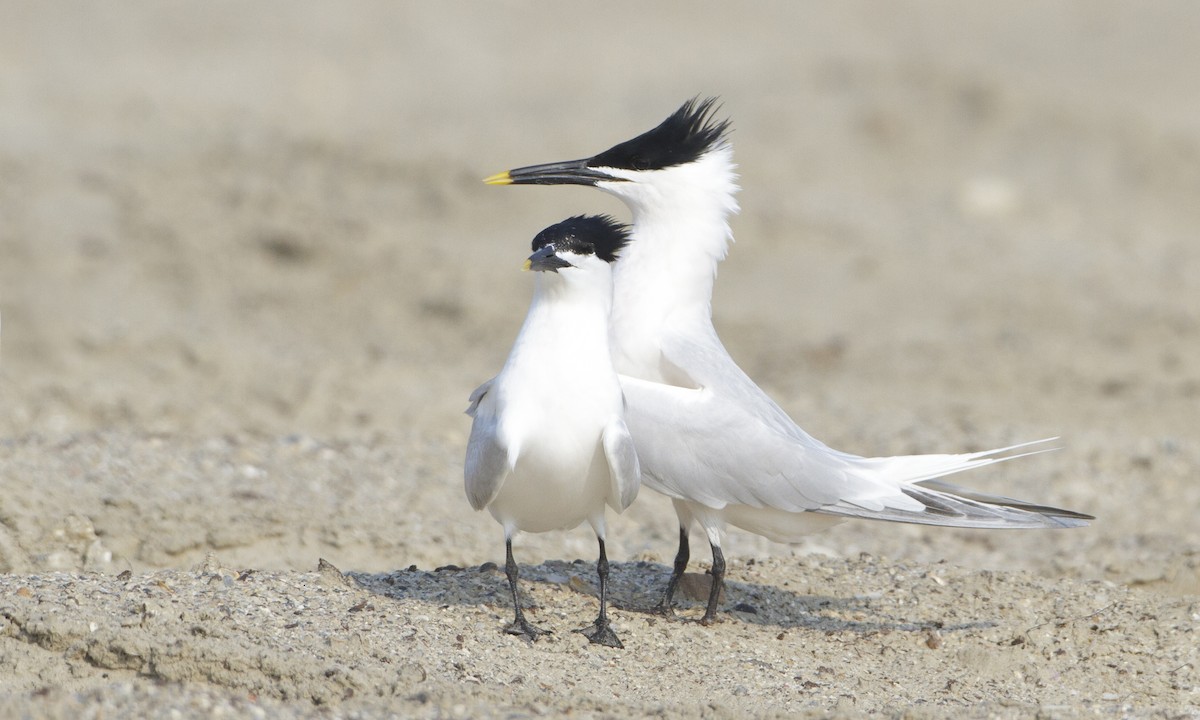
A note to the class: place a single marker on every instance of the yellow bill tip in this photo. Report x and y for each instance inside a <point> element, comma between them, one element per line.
<point>527,264</point>
<point>502,178</point>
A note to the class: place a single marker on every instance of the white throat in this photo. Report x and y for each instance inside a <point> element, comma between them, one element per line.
<point>664,277</point>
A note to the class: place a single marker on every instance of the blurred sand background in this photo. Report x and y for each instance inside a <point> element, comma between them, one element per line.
<point>249,275</point>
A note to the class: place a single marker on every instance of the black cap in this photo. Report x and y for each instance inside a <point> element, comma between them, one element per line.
<point>585,235</point>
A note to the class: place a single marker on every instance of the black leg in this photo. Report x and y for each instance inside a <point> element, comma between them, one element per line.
<point>665,606</point>
<point>520,626</point>
<point>600,632</point>
<point>718,581</point>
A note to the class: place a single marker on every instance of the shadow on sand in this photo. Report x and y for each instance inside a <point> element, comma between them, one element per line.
<point>637,587</point>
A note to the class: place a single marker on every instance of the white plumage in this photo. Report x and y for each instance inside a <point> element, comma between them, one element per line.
<point>549,448</point>
<point>707,436</point>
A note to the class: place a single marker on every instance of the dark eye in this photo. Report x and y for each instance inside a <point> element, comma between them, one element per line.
<point>640,163</point>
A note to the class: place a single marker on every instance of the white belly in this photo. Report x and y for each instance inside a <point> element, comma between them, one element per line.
<point>554,488</point>
<point>778,525</point>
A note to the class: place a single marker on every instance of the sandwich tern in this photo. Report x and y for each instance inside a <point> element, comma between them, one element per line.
<point>707,436</point>
<point>549,447</point>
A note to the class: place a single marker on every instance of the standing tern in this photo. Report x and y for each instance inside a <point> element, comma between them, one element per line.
<point>549,447</point>
<point>707,436</point>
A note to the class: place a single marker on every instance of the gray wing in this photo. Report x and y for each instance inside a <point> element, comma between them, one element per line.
<point>476,396</point>
<point>622,465</point>
<point>700,446</point>
<point>487,463</point>
<point>726,442</point>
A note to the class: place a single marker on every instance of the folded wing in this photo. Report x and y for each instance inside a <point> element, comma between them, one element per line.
<point>622,464</point>
<point>723,441</point>
<point>487,462</point>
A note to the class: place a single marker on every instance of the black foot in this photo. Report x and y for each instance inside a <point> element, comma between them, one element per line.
<point>709,619</point>
<point>601,634</point>
<point>523,628</point>
<point>663,608</point>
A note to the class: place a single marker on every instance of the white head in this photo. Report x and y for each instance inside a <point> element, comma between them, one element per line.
<point>678,181</point>
<point>678,177</point>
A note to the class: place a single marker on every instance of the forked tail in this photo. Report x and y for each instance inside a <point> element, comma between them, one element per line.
<point>920,496</point>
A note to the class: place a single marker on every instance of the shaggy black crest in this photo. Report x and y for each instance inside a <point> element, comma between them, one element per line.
<point>585,235</point>
<point>685,136</point>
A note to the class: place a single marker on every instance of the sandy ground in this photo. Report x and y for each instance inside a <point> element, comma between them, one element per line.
<point>248,276</point>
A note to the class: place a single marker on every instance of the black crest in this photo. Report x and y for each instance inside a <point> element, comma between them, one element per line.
<point>690,132</point>
<point>585,235</point>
